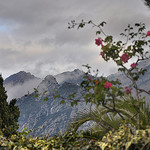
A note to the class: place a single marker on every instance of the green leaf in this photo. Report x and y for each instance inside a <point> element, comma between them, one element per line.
<point>56,96</point>
<point>81,25</point>
<point>137,24</point>
<point>102,24</point>
<point>36,96</point>
<point>98,32</point>
<point>72,104</point>
<point>89,21</point>
<point>46,99</point>
<point>35,90</point>
<point>121,69</point>
<point>62,102</point>
<point>109,39</point>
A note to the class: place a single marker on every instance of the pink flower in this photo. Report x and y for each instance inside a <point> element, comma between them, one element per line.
<point>98,42</point>
<point>101,53</point>
<point>148,33</point>
<point>89,78</point>
<point>107,85</point>
<point>125,58</point>
<point>127,90</point>
<point>133,65</point>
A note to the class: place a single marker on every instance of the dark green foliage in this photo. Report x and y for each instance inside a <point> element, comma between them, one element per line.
<point>9,113</point>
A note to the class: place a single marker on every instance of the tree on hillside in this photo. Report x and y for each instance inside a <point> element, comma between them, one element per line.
<point>9,113</point>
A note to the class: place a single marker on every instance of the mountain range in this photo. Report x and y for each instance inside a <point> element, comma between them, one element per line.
<point>50,117</point>
<point>35,112</point>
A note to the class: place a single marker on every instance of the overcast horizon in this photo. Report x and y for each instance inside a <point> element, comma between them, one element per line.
<point>34,35</point>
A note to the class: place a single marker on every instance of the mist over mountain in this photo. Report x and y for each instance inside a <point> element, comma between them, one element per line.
<point>75,77</point>
<point>50,115</point>
<point>20,84</point>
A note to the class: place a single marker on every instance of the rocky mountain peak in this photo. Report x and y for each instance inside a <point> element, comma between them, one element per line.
<point>70,77</point>
<point>50,78</point>
<point>48,84</point>
<point>19,78</point>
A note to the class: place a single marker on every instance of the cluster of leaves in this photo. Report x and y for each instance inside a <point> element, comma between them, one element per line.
<point>69,141</point>
<point>125,138</point>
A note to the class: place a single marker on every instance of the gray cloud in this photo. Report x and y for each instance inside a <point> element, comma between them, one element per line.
<point>34,35</point>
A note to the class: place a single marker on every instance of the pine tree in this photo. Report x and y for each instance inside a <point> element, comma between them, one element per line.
<point>9,113</point>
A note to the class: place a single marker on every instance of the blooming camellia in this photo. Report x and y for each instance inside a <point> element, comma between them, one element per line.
<point>98,42</point>
<point>148,33</point>
<point>101,53</point>
<point>125,58</point>
<point>133,65</point>
<point>107,85</point>
<point>127,90</point>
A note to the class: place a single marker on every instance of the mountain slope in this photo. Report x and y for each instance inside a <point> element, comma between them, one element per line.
<point>52,115</point>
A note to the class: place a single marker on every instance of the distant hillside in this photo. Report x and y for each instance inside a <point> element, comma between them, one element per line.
<point>52,115</point>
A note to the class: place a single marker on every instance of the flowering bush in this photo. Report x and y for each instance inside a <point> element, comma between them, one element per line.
<point>110,94</point>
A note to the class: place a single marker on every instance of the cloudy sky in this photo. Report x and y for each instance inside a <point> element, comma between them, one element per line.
<point>34,36</point>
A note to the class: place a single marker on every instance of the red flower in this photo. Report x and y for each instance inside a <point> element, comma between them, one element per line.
<point>107,85</point>
<point>133,65</point>
<point>125,58</point>
<point>89,78</point>
<point>98,42</point>
<point>127,90</point>
<point>148,33</point>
